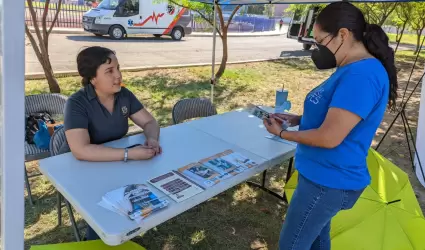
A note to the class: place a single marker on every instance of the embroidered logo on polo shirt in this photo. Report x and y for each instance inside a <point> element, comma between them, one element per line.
<point>124,110</point>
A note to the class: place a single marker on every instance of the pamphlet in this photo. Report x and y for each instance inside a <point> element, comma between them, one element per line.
<point>202,175</point>
<point>135,201</point>
<point>176,186</point>
<point>225,168</point>
<point>238,159</point>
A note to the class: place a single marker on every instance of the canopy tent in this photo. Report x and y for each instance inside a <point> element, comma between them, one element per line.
<point>420,137</point>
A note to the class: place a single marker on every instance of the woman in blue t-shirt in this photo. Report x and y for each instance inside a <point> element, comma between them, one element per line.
<point>340,119</point>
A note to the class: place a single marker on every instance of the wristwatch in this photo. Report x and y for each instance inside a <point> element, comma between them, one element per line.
<point>125,154</point>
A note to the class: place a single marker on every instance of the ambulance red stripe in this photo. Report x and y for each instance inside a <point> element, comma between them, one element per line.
<point>173,23</point>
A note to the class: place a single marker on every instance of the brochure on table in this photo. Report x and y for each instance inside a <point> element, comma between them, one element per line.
<point>137,201</point>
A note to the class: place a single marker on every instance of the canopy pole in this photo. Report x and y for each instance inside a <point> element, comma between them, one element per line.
<point>213,53</point>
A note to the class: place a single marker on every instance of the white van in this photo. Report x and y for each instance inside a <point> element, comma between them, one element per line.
<point>118,18</point>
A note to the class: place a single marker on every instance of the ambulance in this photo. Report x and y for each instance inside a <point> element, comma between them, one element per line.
<point>120,18</point>
<point>301,27</point>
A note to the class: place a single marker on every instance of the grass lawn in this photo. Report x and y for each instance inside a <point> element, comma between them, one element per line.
<point>406,39</point>
<point>242,217</point>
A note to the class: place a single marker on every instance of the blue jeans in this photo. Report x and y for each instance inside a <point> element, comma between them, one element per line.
<point>308,220</point>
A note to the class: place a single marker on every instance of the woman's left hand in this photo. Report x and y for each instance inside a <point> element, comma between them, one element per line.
<point>154,144</point>
<point>274,127</point>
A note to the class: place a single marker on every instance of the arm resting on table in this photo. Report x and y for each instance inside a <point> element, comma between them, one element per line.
<point>79,143</point>
<point>147,122</point>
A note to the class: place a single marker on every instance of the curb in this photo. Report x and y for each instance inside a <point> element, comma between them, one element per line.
<point>254,34</point>
<point>70,73</point>
<point>195,34</point>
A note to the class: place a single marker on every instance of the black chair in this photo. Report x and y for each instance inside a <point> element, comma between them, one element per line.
<point>192,108</point>
<point>54,104</point>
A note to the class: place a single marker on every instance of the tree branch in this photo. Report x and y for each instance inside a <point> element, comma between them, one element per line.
<point>34,44</point>
<point>34,20</point>
<point>43,23</point>
<point>200,13</point>
<point>59,4</point>
<point>220,17</point>
<point>232,15</point>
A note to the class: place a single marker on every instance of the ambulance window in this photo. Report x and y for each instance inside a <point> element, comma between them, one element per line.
<point>127,8</point>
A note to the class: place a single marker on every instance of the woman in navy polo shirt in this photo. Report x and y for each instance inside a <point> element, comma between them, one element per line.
<point>99,113</point>
<point>340,119</point>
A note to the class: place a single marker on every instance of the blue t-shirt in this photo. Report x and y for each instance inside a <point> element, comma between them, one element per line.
<point>362,88</point>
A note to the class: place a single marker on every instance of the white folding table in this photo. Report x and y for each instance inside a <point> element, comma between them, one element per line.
<point>84,183</point>
<point>244,130</point>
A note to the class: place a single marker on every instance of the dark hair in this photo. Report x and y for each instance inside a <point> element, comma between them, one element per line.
<point>336,16</point>
<point>89,60</point>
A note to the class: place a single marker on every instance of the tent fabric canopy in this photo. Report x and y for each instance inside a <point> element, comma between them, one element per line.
<point>247,2</point>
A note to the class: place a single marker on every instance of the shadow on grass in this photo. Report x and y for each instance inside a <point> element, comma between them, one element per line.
<point>165,91</point>
<point>297,63</point>
<point>57,234</point>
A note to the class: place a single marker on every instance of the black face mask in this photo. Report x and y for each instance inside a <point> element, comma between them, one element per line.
<point>323,57</point>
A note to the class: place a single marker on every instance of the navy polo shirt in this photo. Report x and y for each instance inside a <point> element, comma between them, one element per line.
<point>84,110</point>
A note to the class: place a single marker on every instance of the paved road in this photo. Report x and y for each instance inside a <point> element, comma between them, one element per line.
<point>147,51</point>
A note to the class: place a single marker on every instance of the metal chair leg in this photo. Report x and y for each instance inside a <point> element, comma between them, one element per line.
<point>74,224</point>
<point>59,207</point>
<point>27,185</point>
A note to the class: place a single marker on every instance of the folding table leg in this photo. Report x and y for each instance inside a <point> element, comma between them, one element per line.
<point>73,223</point>
<point>263,183</point>
<point>288,176</point>
<point>27,185</point>
<point>59,207</point>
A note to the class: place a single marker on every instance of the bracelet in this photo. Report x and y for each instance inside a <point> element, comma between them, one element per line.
<point>280,134</point>
<point>125,154</point>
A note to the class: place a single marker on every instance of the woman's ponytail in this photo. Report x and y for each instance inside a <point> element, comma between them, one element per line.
<point>340,15</point>
<point>376,42</point>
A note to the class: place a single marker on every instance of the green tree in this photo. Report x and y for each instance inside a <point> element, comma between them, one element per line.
<point>377,13</point>
<point>417,22</point>
<point>400,19</point>
<point>206,12</point>
<point>268,10</point>
<point>257,9</point>
<point>40,43</point>
<point>302,9</point>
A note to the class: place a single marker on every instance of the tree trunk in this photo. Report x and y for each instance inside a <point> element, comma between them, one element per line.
<point>418,41</point>
<point>224,28</point>
<point>397,30</point>
<point>400,36</point>
<point>41,48</point>
<point>50,77</point>
<point>382,21</point>
<point>51,80</point>
<point>223,63</point>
